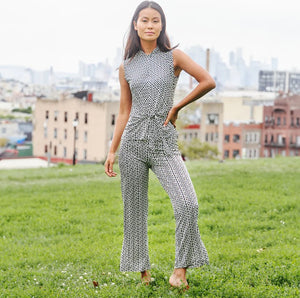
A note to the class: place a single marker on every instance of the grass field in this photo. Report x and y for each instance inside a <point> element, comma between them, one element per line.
<point>61,229</point>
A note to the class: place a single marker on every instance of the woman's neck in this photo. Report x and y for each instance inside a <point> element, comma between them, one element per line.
<point>148,47</point>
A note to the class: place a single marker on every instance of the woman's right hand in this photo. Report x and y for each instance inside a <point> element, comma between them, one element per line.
<point>109,165</point>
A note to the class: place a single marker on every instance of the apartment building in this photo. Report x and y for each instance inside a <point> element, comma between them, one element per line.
<point>279,81</point>
<point>251,140</point>
<point>190,132</point>
<point>242,140</point>
<point>281,127</point>
<point>73,125</point>
<point>232,141</point>
<point>212,118</point>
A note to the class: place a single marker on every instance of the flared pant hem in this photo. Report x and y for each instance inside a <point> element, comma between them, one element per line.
<point>192,265</point>
<point>133,270</point>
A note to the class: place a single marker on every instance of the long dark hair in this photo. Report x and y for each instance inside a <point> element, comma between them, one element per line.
<point>133,44</point>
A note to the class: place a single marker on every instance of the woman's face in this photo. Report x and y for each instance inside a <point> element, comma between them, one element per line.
<point>148,24</point>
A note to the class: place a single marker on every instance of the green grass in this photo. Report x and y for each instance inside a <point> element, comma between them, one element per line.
<point>61,229</point>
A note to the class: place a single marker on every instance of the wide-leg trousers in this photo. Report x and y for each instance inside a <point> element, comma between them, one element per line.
<point>135,160</point>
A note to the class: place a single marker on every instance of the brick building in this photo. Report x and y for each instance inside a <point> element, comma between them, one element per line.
<point>232,141</point>
<point>281,127</point>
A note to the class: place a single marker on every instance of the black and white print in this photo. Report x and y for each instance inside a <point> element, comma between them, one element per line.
<point>147,144</point>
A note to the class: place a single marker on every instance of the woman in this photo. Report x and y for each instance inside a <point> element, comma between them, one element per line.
<point>145,127</point>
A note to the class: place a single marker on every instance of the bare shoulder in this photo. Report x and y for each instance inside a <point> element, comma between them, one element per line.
<point>179,57</point>
<point>121,72</point>
<point>121,67</point>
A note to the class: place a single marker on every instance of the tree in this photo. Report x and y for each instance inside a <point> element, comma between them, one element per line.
<point>197,150</point>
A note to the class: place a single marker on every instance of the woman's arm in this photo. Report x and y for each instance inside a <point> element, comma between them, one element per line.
<point>205,82</point>
<point>124,112</point>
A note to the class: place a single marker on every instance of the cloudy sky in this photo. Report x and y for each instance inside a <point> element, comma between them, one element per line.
<point>59,33</point>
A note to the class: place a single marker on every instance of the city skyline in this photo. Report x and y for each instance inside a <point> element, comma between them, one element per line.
<point>61,33</point>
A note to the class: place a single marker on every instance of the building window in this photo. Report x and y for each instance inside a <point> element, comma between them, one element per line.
<point>113,116</point>
<point>298,121</point>
<point>278,120</point>
<point>272,139</point>
<point>66,116</point>
<point>211,136</point>
<point>85,154</point>
<point>236,153</point>
<point>86,118</point>
<point>55,115</point>
<point>227,138</point>
<point>212,119</point>
<point>55,133</point>
<point>85,136</point>
<point>55,150</point>
<point>226,154</point>
<point>77,116</point>
<point>236,138</point>
<point>45,132</point>
<point>47,115</point>
<point>284,121</point>
<point>46,148</point>
<point>65,152</point>
<point>255,137</point>
<point>65,134</point>
<point>206,137</point>
<point>292,121</point>
<point>266,139</point>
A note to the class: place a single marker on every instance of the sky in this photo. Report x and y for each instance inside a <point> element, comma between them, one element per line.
<point>59,33</point>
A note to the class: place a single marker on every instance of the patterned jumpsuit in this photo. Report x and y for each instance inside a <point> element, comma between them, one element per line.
<point>147,144</point>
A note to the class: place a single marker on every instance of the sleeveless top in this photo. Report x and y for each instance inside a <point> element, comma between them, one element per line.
<point>152,83</point>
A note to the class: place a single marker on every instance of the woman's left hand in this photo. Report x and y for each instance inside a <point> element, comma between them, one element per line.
<point>172,117</point>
